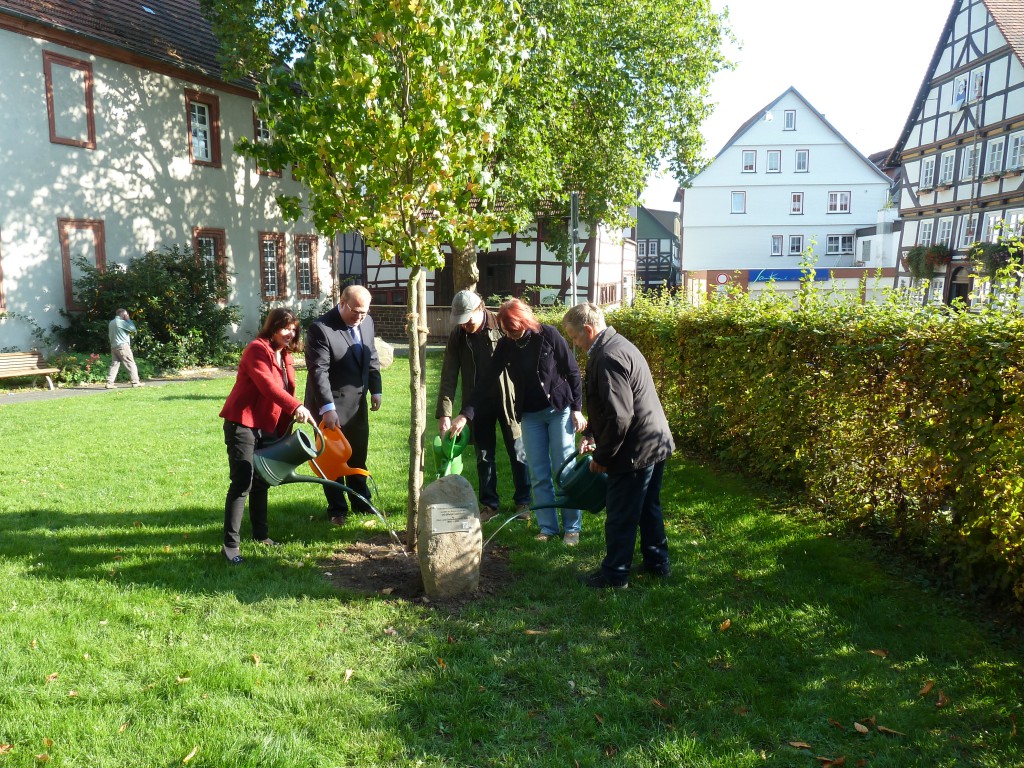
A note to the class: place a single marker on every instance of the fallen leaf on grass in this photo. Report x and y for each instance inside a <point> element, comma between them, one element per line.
<point>348,675</point>
<point>387,590</point>
<point>167,547</point>
<point>879,652</point>
<point>5,748</point>
<point>47,742</point>
<point>943,700</point>
<point>890,731</point>
<point>600,720</point>
<point>926,688</point>
<point>441,662</point>
<point>610,750</point>
<point>860,728</point>
<point>832,762</point>
<point>43,758</point>
<point>391,631</point>
<point>725,625</point>
<point>450,639</point>
<point>741,710</point>
<point>190,755</point>
<point>658,704</point>
<point>73,694</point>
<point>181,679</point>
<point>800,745</point>
<point>836,724</point>
<point>1013,731</point>
<point>861,763</point>
<point>52,676</point>
<point>123,728</point>
<point>34,644</point>
<point>255,659</point>
<point>535,632</point>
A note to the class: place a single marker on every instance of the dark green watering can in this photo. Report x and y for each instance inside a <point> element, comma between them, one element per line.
<point>278,461</point>
<point>576,487</point>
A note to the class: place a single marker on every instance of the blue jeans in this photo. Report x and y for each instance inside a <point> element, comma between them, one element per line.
<point>549,440</point>
<point>634,504</point>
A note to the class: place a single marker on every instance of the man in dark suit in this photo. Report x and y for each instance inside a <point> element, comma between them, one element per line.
<point>341,367</point>
<point>630,437</point>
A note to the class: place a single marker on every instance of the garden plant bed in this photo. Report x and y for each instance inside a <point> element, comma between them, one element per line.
<point>377,566</point>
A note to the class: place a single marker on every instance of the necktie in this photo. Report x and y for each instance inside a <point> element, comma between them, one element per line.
<point>357,345</point>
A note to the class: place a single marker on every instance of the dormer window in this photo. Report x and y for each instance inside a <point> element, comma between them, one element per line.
<point>790,120</point>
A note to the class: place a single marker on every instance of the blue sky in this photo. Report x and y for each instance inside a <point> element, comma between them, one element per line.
<point>859,63</point>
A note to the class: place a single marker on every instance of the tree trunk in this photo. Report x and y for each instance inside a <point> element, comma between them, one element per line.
<point>465,271</point>
<point>416,328</point>
<point>335,288</point>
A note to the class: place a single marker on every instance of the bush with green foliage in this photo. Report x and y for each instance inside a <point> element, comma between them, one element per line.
<point>899,418</point>
<point>81,368</point>
<point>176,300</point>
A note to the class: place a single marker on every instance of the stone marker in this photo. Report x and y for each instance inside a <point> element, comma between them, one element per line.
<point>450,542</point>
<point>385,353</point>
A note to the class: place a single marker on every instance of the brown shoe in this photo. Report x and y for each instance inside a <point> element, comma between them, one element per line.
<point>338,520</point>
<point>486,513</point>
<point>542,537</point>
<point>522,511</point>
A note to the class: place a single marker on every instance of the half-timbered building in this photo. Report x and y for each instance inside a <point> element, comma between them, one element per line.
<point>521,264</point>
<point>962,148</point>
<point>657,249</point>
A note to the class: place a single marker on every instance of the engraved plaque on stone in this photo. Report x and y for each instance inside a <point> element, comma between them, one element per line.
<point>451,518</point>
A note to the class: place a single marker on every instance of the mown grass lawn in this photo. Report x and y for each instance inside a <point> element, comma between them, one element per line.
<point>126,640</point>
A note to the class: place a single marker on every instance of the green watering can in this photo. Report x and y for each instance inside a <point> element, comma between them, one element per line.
<point>448,453</point>
<point>576,487</point>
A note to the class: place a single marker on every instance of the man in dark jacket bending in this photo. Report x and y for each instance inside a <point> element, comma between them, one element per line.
<point>630,439</point>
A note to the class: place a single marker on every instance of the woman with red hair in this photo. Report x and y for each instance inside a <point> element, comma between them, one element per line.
<point>549,402</point>
<point>262,403</point>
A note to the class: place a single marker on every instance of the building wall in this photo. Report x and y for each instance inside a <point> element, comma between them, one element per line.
<point>714,238</point>
<point>138,182</point>
<point>963,156</point>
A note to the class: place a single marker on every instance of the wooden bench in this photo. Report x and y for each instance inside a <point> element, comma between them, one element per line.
<point>25,364</point>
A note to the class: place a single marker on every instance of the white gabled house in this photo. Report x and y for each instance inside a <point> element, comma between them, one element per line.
<point>962,148</point>
<point>787,181</point>
<point>116,138</point>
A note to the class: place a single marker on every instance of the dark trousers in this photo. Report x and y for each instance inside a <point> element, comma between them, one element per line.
<point>357,432</point>
<point>634,503</point>
<point>244,483</point>
<point>484,439</point>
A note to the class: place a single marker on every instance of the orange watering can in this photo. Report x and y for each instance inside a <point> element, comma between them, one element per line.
<point>334,452</point>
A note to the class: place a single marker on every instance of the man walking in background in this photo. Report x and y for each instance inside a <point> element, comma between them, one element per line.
<point>341,367</point>
<point>120,331</point>
<point>475,332</point>
<point>630,438</point>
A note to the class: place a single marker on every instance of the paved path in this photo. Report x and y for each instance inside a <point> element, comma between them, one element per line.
<point>32,395</point>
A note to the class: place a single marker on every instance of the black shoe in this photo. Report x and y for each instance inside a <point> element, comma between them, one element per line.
<point>597,580</point>
<point>645,569</point>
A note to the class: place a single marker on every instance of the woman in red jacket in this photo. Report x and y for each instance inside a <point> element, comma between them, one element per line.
<point>262,403</point>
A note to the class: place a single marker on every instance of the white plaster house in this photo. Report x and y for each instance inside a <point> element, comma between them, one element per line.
<point>787,181</point>
<point>116,138</point>
<point>962,148</point>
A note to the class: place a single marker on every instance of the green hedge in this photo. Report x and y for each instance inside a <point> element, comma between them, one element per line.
<point>897,417</point>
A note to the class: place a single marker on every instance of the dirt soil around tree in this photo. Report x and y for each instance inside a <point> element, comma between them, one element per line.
<point>378,566</point>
